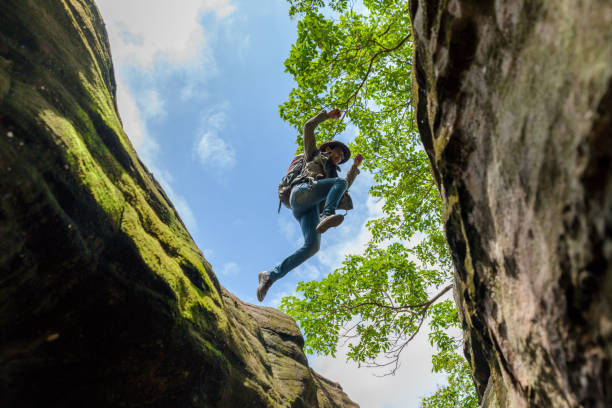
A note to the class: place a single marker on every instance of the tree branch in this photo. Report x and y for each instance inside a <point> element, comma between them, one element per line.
<point>438,296</point>
<point>376,55</point>
<point>422,306</point>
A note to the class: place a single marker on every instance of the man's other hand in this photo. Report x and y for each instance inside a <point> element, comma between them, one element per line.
<point>357,160</point>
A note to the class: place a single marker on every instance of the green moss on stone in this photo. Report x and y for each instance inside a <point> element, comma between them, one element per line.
<point>5,78</point>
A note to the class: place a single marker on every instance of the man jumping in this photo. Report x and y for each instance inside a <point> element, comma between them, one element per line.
<point>318,185</point>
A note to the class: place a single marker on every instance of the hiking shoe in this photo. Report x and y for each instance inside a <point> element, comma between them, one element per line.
<point>265,281</point>
<point>328,221</point>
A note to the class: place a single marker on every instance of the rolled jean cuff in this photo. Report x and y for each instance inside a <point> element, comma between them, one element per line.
<point>274,273</point>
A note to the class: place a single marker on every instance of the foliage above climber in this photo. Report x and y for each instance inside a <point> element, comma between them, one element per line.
<point>358,57</point>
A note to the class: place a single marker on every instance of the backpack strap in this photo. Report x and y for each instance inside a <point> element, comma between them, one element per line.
<point>279,206</point>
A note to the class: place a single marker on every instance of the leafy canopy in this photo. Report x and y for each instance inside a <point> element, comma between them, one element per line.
<point>358,57</point>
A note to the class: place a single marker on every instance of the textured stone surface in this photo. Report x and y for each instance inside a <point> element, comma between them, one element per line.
<point>104,298</point>
<point>514,107</point>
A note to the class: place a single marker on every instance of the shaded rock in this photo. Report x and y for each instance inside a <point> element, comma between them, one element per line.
<point>105,300</point>
<point>514,108</point>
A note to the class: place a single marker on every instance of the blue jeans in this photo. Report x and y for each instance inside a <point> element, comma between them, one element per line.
<point>305,199</point>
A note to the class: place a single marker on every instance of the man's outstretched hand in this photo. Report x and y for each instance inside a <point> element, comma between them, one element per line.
<point>334,113</point>
<point>357,160</point>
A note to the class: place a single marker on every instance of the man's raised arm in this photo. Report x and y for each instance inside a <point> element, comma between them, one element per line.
<point>310,143</point>
<point>354,170</point>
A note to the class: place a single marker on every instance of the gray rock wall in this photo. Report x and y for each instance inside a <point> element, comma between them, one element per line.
<point>514,106</point>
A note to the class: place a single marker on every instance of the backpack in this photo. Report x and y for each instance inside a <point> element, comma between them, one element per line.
<point>287,183</point>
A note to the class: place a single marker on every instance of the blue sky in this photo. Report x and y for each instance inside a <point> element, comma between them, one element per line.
<point>199,84</point>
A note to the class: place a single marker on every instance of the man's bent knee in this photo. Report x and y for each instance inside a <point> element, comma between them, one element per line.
<point>312,247</point>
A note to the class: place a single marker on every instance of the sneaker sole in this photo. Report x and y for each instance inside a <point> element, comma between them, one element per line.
<point>259,296</point>
<point>330,223</point>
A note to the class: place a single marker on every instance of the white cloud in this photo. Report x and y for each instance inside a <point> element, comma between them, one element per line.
<point>213,151</point>
<point>230,269</point>
<point>143,32</point>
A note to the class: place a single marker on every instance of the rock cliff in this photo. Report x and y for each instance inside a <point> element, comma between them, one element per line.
<point>514,108</point>
<point>104,299</point>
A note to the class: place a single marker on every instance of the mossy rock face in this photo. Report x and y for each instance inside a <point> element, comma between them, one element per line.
<point>514,109</point>
<point>105,299</point>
